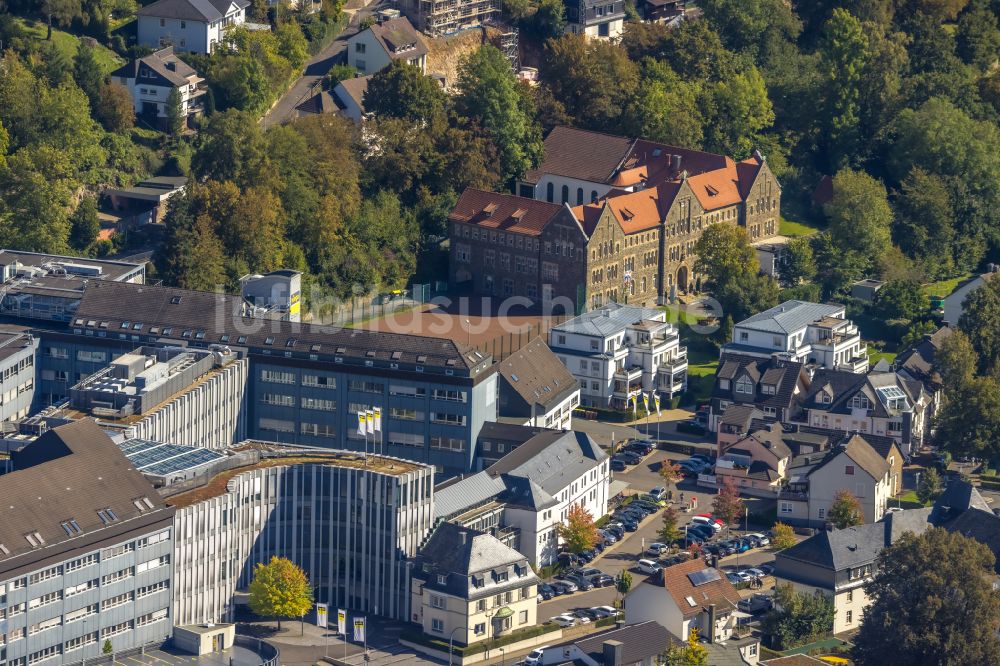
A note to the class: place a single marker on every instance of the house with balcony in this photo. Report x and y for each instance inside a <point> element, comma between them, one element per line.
<point>198,26</point>
<point>817,335</point>
<point>618,352</point>
<point>152,79</point>
<point>882,402</point>
<point>772,386</point>
<point>596,19</point>
<point>758,462</point>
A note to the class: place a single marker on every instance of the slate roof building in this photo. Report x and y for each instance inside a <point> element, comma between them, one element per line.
<point>374,48</point>
<point>638,208</point>
<point>85,550</point>
<point>772,386</point>
<point>638,644</point>
<point>189,25</point>
<point>620,352</point>
<point>152,79</point>
<point>524,497</point>
<point>468,585</point>
<point>815,334</point>
<point>535,386</point>
<point>596,20</point>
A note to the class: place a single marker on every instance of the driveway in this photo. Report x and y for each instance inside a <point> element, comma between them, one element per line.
<point>316,68</point>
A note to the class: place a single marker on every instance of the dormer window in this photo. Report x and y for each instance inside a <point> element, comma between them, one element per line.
<point>442,579</point>
<point>825,398</point>
<point>860,402</point>
<point>744,385</point>
<point>768,389</point>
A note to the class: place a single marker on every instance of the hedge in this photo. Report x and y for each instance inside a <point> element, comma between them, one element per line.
<point>606,621</point>
<point>989,484</point>
<point>517,635</point>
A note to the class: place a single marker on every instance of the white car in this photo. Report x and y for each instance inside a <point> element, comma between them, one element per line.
<point>534,657</point>
<point>702,520</point>
<point>649,567</point>
<point>605,611</point>
<point>761,538</point>
<point>656,549</point>
<point>563,620</point>
<point>659,492</point>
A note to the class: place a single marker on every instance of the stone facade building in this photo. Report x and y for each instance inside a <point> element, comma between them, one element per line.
<point>624,213</point>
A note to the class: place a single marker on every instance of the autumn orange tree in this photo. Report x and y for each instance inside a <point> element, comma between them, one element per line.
<point>671,473</point>
<point>728,505</point>
<point>578,532</point>
<point>846,510</point>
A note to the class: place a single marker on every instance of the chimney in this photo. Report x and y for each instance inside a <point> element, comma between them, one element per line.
<point>675,163</point>
<point>463,536</point>
<point>613,653</point>
<point>711,623</point>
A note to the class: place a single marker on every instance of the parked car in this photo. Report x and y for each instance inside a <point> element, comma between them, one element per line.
<point>606,611</point>
<point>545,591</point>
<point>762,539</point>
<point>564,620</point>
<point>615,531</point>
<point>702,531</point>
<point>608,536</point>
<point>534,657</point>
<point>580,582</point>
<point>655,500</point>
<point>659,492</point>
<point>565,587</point>
<point>629,457</point>
<point>755,603</point>
<point>768,569</point>
<point>588,555</point>
<point>656,549</point>
<point>707,519</point>
<point>580,616</point>
<point>646,504</point>
<point>743,576</point>
<point>589,571</point>
<point>630,525</point>
<point>643,448</point>
<point>617,465</point>
<point>602,580</point>
<point>568,559</point>
<point>733,578</point>
<point>756,573</point>
<point>649,566</point>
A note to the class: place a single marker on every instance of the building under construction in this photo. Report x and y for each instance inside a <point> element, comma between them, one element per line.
<point>443,17</point>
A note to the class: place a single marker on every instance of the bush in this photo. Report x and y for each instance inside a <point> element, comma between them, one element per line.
<point>517,635</point>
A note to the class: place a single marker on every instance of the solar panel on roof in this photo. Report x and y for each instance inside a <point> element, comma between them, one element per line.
<point>699,578</point>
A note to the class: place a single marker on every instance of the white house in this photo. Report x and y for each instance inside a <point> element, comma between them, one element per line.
<point>150,80</point>
<point>954,303</point>
<point>188,25</point>
<point>597,19</point>
<point>523,497</point>
<point>620,351</point>
<point>811,333</point>
<point>372,50</point>
<point>350,94</point>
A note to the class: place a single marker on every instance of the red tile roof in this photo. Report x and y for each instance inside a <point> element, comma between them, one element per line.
<point>504,212</point>
<point>678,584</point>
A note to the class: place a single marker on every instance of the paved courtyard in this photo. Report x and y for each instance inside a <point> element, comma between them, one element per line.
<point>235,656</point>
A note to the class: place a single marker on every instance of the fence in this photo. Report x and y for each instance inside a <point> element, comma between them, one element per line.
<point>269,654</point>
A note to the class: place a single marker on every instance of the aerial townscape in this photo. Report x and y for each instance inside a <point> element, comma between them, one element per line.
<point>470,332</point>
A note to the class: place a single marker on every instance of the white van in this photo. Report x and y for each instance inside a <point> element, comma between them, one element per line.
<point>649,566</point>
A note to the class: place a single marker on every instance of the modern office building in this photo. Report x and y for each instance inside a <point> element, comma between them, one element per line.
<point>169,394</point>
<point>351,522</point>
<point>816,334</point>
<point>85,551</point>
<point>18,348</point>
<point>619,352</point>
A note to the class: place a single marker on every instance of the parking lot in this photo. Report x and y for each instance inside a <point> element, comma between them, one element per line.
<point>625,554</point>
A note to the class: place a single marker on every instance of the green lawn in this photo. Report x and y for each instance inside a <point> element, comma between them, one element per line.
<point>875,356</point>
<point>944,287</point>
<point>791,228</point>
<point>907,500</point>
<point>67,43</point>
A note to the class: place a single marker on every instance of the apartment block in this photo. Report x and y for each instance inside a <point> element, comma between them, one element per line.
<point>618,352</point>
<point>18,348</point>
<point>85,551</point>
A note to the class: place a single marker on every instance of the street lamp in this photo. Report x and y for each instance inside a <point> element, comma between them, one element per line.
<point>451,642</point>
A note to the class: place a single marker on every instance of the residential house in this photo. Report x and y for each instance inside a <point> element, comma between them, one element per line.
<point>600,19</point>
<point>152,80</point>
<point>773,386</point>
<point>534,386</point>
<point>882,402</point>
<point>643,206</point>
<point>524,497</point>
<point>469,587</point>
<point>638,644</point>
<point>758,462</point>
<point>918,363</point>
<point>669,12</point>
<point>620,352</point>
<point>855,466</point>
<point>498,438</point>
<point>693,596</point>
<point>375,47</point>
<point>954,303</point>
<point>198,26</point>
<point>816,334</point>
<point>146,201</point>
<point>350,97</point>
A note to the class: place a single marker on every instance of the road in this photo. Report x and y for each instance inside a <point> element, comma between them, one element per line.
<point>316,68</point>
<point>625,554</point>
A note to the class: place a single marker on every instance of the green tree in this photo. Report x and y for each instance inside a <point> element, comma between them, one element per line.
<point>752,26</point>
<point>578,532</point>
<point>846,510</point>
<point>798,263</point>
<point>402,91</point>
<point>923,227</point>
<point>738,111</point>
<point>280,589</point>
<point>231,147</point>
<point>727,504</point>
<point>63,11</point>
<point>593,80</point>
<point>107,648</point>
<point>783,536</point>
<point>623,583</point>
<point>917,332</point>
<point>977,38</point>
<point>797,618</point>
<point>980,321</point>
<point>84,224</point>
<point>956,361</point>
<point>932,603</point>
<point>930,486</point>
<point>4,144</point>
<point>55,65</point>
<point>669,532</point>
<point>667,108</point>
<point>36,188</point>
<point>115,108</point>
<point>87,72</point>
<point>292,44</point>
<point>692,48</point>
<point>858,231</point>
<point>969,421</point>
<point>901,299</point>
<point>490,93</point>
<point>730,265</point>
<point>548,21</point>
<point>844,52</point>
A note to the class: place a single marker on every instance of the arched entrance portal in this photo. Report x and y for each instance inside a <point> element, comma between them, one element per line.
<point>682,279</point>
